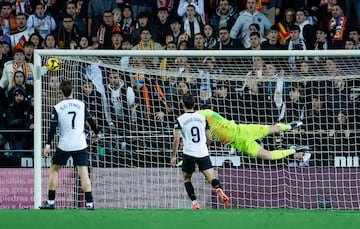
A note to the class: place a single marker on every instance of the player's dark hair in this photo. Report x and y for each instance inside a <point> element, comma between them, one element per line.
<point>188,100</point>
<point>66,87</point>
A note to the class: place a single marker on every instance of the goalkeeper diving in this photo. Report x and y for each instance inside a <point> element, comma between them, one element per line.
<point>243,137</point>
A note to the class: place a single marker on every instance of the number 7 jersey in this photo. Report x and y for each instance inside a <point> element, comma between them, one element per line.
<point>70,117</point>
<point>193,128</point>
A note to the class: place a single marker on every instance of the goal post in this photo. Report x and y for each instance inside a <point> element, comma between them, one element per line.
<point>130,165</point>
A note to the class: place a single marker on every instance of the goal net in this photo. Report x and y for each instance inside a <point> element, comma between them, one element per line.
<point>135,98</point>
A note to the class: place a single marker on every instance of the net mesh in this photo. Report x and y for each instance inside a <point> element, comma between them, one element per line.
<point>136,100</point>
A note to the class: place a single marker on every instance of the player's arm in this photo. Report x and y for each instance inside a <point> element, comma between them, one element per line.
<point>208,134</point>
<point>52,131</point>
<point>176,143</point>
<point>90,121</point>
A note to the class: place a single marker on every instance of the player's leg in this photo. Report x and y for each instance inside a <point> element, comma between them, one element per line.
<point>188,167</point>
<point>253,149</point>
<point>81,161</point>
<point>206,168</point>
<point>59,159</point>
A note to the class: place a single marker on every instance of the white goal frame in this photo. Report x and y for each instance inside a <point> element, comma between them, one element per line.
<point>39,53</point>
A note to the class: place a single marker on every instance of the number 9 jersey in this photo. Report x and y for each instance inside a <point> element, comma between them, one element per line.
<point>193,128</point>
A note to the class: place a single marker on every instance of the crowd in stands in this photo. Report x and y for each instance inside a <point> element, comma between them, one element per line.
<point>26,25</point>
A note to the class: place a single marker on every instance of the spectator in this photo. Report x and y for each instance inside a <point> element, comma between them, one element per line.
<point>117,16</point>
<point>240,29</point>
<point>295,43</point>
<point>17,118</point>
<point>103,34</point>
<point>78,20</point>
<point>254,27</point>
<point>124,61</point>
<point>272,41</point>
<point>222,101</point>
<point>321,42</point>
<point>191,25</point>
<point>199,9</point>
<point>225,16</point>
<point>50,42</point>
<point>331,68</point>
<point>7,19</point>
<point>147,43</point>
<point>84,43</point>
<point>354,33</point>
<point>176,35</point>
<point>350,44</point>
<point>225,42</point>
<point>128,24</point>
<point>337,27</point>
<point>37,40</point>
<point>116,39</point>
<point>29,52</point>
<point>207,85</point>
<point>284,26</point>
<point>18,64</point>
<point>143,21</point>
<point>94,103</point>
<point>7,51</point>
<point>338,96</point>
<point>210,38</point>
<point>68,35</point>
<point>162,26</point>
<point>255,41</point>
<point>316,124</point>
<point>22,33</point>
<point>341,128</point>
<point>40,22</point>
<point>3,57</point>
<point>119,105</point>
<point>19,82</point>
<point>95,13</point>
<point>307,30</point>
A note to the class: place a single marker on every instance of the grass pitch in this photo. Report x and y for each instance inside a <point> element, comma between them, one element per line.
<point>179,219</point>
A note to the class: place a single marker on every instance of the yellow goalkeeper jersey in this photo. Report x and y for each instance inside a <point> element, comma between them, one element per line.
<point>222,129</point>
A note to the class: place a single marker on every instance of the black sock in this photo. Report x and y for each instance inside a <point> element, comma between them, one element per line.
<point>51,194</point>
<point>88,197</point>
<point>216,183</point>
<point>190,190</point>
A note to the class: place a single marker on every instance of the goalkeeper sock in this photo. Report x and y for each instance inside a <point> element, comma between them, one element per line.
<point>279,154</point>
<point>190,190</point>
<point>283,127</point>
<point>215,183</point>
<point>51,196</point>
<point>88,197</point>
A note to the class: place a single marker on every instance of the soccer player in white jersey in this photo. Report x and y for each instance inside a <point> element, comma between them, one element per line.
<point>195,133</point>
<point>69,115</point>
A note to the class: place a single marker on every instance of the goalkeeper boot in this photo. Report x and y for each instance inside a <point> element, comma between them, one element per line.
<point>90,206</point>
<point>195,205</point>
<point>47,206</point>
<point>223,197</point>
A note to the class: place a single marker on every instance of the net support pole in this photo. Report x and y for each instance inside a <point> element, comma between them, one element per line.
<point>37,131</point>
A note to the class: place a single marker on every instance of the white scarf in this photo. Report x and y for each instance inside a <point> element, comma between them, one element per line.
<point>187,27</point>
